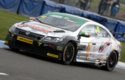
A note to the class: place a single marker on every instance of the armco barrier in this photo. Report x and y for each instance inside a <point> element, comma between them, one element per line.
<point>50,6</point>
<point>97,18</point>
<point>30,7</point>
<point>10,5</point>
<point>71,10</point>
<point>111,24</point>
<point>121,30</point>
<point>86,14</point>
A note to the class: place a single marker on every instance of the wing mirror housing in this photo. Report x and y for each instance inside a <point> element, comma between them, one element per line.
<point>32,18</point>
<point>83,34</point>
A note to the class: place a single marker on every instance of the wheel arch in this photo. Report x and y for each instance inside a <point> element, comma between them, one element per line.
<point>75,48</point>
<point>74,43</point>
<point>115,51</point>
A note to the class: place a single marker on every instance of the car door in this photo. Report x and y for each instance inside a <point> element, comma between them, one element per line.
<point>86,44</point>
<point>103,42</point>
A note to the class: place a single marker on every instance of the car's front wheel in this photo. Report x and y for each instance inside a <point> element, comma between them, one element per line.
<point>68,53</point>
<point>111,61</point>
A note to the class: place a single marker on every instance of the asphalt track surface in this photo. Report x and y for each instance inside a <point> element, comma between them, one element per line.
<point>26,66</point>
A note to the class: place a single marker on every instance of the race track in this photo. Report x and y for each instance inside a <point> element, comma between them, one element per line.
<point>26,66</point>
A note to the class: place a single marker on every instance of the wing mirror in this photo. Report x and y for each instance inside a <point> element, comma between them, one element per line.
<point>32,18</point>
<point>83,34</point>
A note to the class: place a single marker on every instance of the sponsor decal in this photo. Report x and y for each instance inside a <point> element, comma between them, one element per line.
<point>52,55</point>
<point>39,43</point>
<point>88,49</point>
<point>22,39</point>
<point>98,29</point>
<point>59,48</point>
<point>102,47</point>
<point>12,35</point>
<point>22,25</point>
<point>36,28</point>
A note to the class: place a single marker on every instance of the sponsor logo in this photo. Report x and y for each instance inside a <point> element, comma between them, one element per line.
<point>36,28</point>
<point>102,47</point>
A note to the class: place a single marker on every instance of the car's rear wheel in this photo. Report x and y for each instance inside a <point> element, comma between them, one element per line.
<point>68,53</point>
<point>111,61</point>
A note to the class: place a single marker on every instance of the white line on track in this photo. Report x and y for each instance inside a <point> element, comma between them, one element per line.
<point>3,74</point>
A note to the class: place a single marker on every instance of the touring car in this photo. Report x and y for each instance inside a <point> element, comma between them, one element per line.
<point>67,38</point>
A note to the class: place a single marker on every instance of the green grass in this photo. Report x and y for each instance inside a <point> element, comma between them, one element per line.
<point>122,7</point>
<point>95,3</point>
<point>123,1</point>
<point>8,19</point>
<point>123,52</point>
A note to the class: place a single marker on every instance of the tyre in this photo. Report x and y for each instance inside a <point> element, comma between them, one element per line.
<point>111,61</point>
<point>68,53</point>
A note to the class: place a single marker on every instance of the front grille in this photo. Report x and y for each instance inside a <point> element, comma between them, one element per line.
<point>29,34</point>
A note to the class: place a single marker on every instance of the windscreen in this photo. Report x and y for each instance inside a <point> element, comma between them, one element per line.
<point>59,22</point>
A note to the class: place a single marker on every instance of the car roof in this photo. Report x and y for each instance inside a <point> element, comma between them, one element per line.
<point>80,20</point>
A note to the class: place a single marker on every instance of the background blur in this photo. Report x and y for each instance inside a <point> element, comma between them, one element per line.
<point>94,7</point>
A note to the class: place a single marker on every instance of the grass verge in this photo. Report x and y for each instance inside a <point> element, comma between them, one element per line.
<point>8,19</point>
<point>123,52</point>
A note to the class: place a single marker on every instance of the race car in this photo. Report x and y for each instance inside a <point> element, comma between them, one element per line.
<point>66,37</point>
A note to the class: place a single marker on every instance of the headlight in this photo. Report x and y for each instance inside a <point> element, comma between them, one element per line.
<point>12,29</point>
<point>53,39</point>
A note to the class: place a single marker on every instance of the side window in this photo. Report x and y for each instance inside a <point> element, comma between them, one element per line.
<point>102,32</point>
<point>91,29</point>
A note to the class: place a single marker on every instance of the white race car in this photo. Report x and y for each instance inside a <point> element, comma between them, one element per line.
<point>68,38</point>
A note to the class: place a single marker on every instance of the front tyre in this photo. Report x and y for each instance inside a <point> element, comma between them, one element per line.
<point>68,53</point>
<point>111,61</point>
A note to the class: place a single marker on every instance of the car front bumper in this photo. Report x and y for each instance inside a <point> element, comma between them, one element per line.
<point>53,50</point>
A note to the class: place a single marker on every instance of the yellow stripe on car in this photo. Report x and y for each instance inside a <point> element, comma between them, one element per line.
<point>52,55</point>
<point>116,45</point>
<point>88,49</point>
